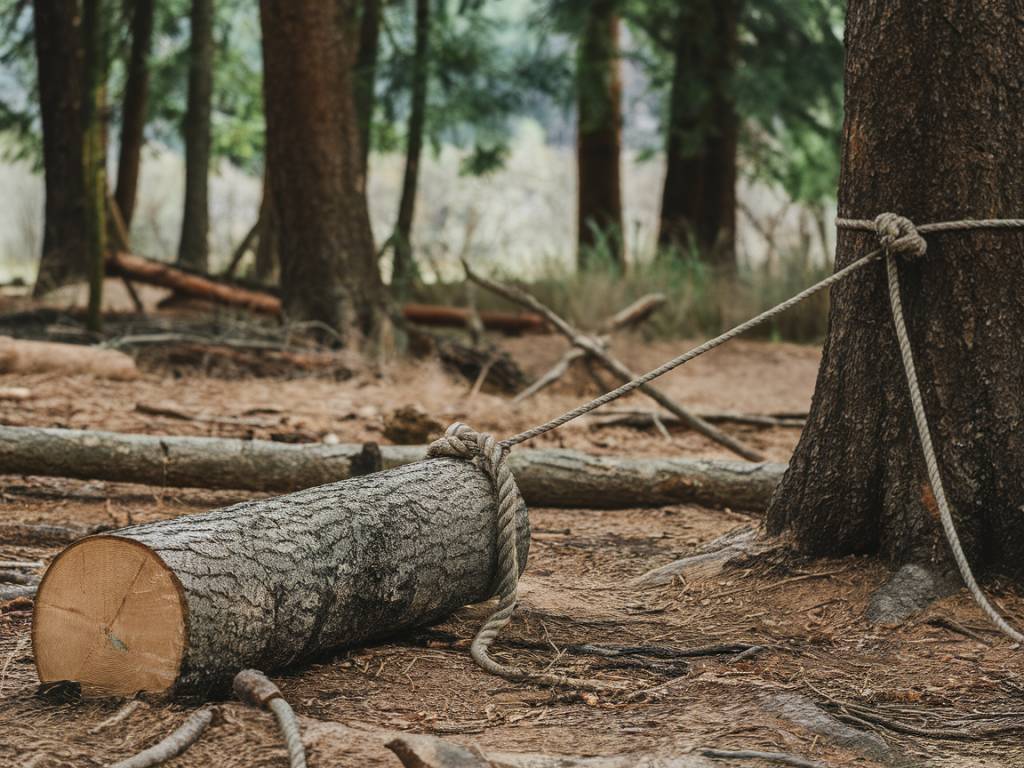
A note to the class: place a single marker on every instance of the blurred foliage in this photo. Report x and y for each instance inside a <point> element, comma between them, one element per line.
<point>491,64</point>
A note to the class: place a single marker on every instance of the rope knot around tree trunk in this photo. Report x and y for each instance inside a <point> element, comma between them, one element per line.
<point>899,237</point>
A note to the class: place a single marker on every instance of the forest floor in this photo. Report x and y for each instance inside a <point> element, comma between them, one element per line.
<point>815,649</point>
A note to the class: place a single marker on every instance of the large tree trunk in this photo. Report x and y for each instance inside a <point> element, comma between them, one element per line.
<point>194,249</point>
<point>94,153</point>
<point>366,74</point>
<point>133,112</point>
<point>60,57</point>
<point>187,603</point>
<point>551,478</point>
<point>599,137</point>
<point>698,205</point>
<point>404,272</point>
<point>933,131</point>
<point>328,264</point>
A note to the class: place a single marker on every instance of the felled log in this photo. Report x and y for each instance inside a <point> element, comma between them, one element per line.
<point>547,478</point>
<point>150,272</point>
<point>24,356</point>
<point>184,604</point>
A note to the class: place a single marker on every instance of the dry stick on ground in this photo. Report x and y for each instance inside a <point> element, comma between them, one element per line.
<point>12,593</point>
<point>256,690</point>
<point>632,315</point>
<point>645,419</point>
<point>547,478</point>
<point>182,738</point>
<point>614,366</point>
<point>26,356</point>
<point>772,757</point>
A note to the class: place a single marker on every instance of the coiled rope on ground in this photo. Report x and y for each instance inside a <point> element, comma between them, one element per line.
<point>898,238</point>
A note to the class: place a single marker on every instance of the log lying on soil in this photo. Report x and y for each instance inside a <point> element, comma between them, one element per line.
<point>23,356</point>
<point>229,293</point>
<point>184,604</point>
<point>151,272</point>
<point>547,478</point>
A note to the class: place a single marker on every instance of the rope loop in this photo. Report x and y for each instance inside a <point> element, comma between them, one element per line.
<point>899,237</point>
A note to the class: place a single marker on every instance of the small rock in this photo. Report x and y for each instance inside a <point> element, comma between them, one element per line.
<point>409,425</point>
<point>804,712</point>
<point>910,590</point>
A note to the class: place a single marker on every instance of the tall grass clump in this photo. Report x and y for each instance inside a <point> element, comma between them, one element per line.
<point>701,302</point>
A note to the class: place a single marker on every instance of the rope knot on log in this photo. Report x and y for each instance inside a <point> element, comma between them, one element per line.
<point>464,442</point>
<point>899,237</point>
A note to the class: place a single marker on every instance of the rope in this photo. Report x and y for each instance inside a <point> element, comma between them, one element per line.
<point>257,690</point>
<point>904,241</point>
<point>899,237</point>
<point>462,442</point>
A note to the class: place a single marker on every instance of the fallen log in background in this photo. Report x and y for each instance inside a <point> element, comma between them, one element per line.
<point>547,478</point>
<point>185,603</point>
<point>24,356</point>
<point>231,293</point>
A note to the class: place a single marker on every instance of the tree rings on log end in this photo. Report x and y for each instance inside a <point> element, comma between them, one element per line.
<point>110,615</point>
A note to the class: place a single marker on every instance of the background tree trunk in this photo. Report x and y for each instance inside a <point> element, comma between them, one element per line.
<point>194,249</point>
<point>933,118</point>
<point>268,244</point>
<point>133,112</point>
<point>404,271</point>
<point>328,265</point>
<point>366,73</point>
<point>698,205</point>
<point>60,57</point>
<point>599,136</point>
<point>94,153</point>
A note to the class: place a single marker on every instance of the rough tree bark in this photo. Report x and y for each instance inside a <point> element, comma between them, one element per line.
<point>194,249</point>
<point>933,118</point>
<point>366,73</point>
<point>599,136</point>
<point>328,264</point>
<point>133,111</point>
<point>552,478</point>
<point>186,603</point>
<point>404,271</point>
<point>698,202</point>
<point>60,59</point>
<point>94,153</point>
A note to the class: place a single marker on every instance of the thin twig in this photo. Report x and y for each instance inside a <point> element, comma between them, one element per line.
<point>593,348</point>
<point>257,690</point>
<point>771,757</point>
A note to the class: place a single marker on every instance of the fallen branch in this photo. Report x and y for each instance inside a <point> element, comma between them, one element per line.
<point>547,478</point>
<point>648,419</point>
<point>15,393</point>
<point>25,534</point>
<point>458,317</point>
<point>784,758</point>
<point>595,349</point>
<point>708,562</point>
<point>12,593</point>
<point>150,272</point>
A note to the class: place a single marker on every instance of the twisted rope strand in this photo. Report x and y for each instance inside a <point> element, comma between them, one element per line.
<point>462,442</point>
<point>898,237</point>
<point>930,459</point>
<point>686,357</point>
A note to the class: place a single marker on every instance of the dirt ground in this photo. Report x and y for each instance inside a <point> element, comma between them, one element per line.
<point>922,693</point>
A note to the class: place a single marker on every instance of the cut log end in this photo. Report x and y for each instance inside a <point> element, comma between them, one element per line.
<point>111,615</point>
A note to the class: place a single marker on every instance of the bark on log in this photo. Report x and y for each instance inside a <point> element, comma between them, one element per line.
<point>547,478</point>
<point>184,604</point>
<point>151,272</point>
<point>24,356</point>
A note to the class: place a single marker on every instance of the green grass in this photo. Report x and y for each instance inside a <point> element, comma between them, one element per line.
<point>700,303</point>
